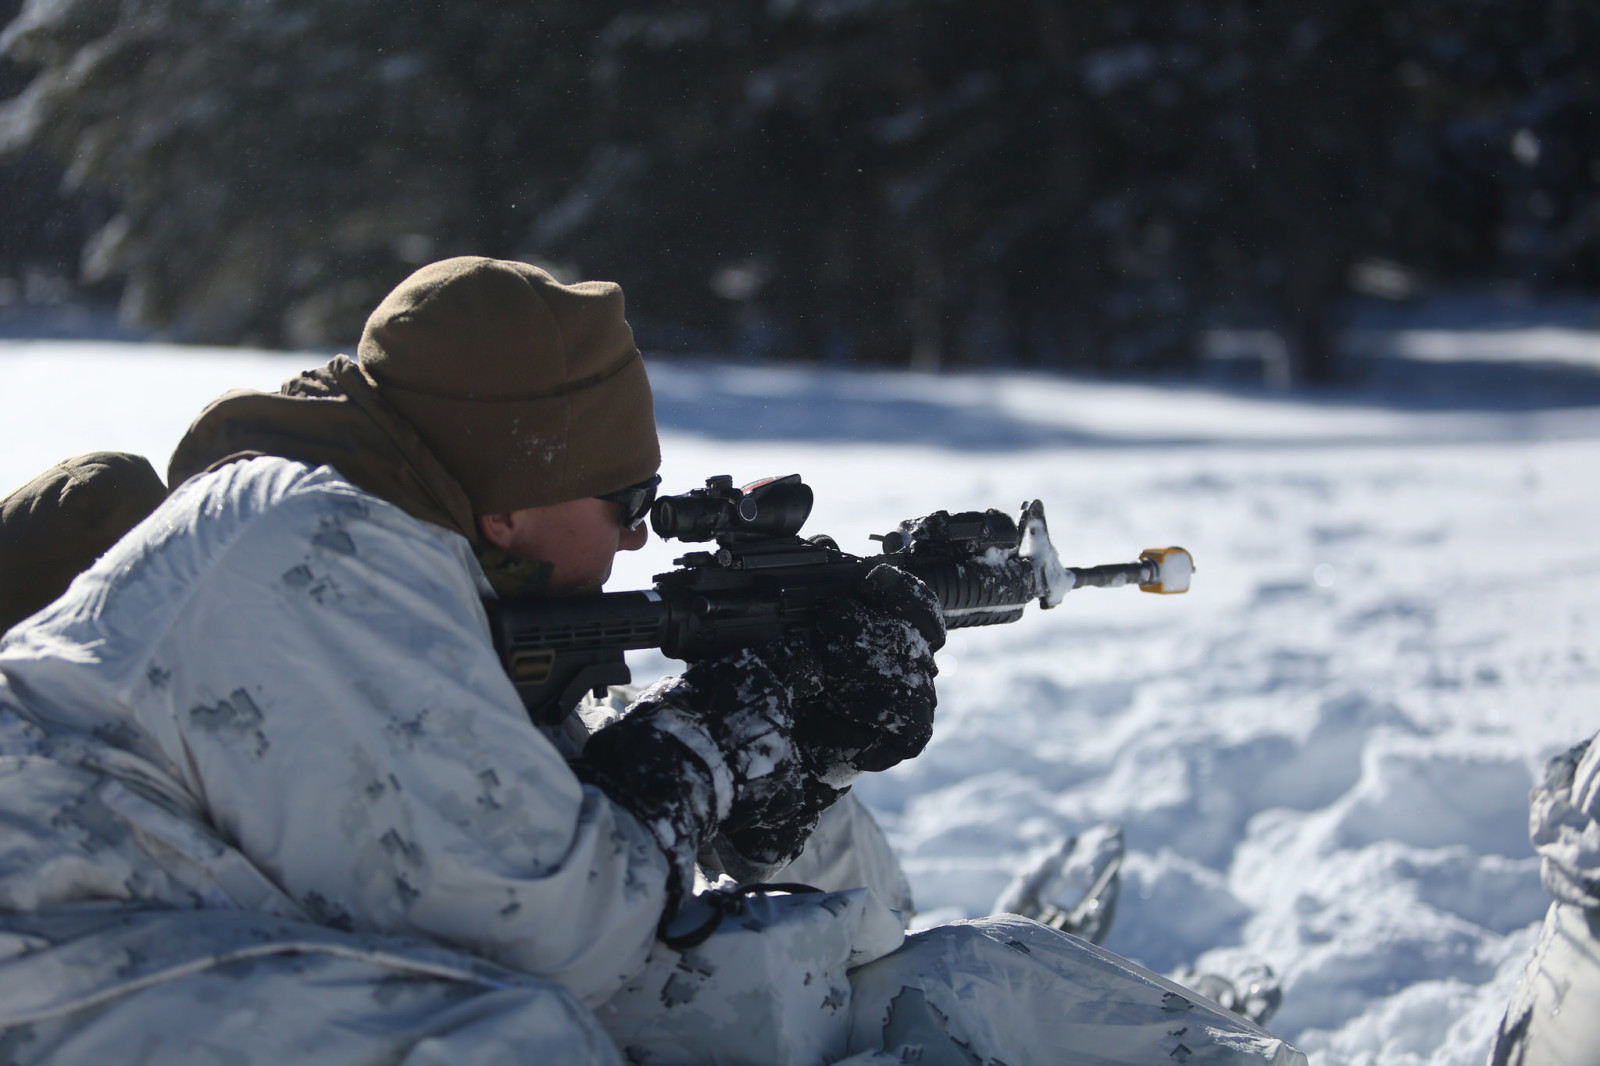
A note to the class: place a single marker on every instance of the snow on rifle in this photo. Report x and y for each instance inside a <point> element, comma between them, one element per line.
<point>764,582</point>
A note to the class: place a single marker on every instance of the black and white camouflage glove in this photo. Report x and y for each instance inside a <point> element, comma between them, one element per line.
<point>748,749</point>
<point>866,703</point>
<point>876,652</point>
<point>712,751</point>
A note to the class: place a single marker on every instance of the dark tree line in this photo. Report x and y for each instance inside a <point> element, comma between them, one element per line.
<point>1085,184</point>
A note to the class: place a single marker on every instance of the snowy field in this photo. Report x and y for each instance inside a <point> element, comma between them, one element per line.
<point>1320,757</point>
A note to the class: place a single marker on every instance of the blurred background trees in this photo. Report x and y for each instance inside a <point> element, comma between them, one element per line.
<point>1093,185</point>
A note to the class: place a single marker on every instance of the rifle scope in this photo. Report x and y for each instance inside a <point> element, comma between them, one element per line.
<point>776,507</point>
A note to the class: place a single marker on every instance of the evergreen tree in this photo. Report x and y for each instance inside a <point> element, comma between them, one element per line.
<point>281,163</point>
<point>948,181</point>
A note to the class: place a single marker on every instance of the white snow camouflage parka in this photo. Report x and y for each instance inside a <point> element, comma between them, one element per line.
<point>264,790</point>
<point>1547,1022</point>
<point>278,698</point>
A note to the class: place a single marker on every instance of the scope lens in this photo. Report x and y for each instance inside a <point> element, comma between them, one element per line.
<point>687,517</point>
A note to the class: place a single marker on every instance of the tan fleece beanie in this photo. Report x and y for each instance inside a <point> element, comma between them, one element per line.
<point>530,392</point>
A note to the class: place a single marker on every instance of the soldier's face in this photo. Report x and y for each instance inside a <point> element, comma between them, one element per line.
<point>579,538</point>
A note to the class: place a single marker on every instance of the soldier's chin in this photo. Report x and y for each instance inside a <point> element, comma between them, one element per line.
<point>584,587</point>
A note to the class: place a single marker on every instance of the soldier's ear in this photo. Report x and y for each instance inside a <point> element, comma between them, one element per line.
<point>497,529</point>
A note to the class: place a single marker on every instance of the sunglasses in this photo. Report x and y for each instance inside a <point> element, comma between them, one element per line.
<point>635,501</point>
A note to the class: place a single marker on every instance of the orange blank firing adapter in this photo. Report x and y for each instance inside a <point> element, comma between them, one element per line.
<point>1173,569</point>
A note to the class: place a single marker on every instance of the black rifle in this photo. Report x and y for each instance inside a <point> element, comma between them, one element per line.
<point>764,583</point>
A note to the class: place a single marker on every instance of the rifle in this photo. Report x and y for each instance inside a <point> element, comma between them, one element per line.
<point>764,582</point>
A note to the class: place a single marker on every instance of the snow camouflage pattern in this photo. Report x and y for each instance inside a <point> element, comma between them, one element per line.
<point>1564,825</point>
<point>847,849</point>
<point>1550,1020</point>
<point>274,659</point>
<point>1007,990</point>
<point>714,747</point>
<point>698,1004</point>
<point>93,985</point>
<point>269,797</point>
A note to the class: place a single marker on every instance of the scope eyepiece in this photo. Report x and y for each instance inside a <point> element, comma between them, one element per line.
<point>775,507</point>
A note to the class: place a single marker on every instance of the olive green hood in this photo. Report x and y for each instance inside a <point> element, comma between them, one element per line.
<point>330,416</point>
<point>56,526</point>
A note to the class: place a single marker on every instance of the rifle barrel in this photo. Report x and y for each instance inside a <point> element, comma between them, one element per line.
<point>1115,575</point>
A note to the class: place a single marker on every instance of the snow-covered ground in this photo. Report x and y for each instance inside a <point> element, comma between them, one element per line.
<point>1320,756</point>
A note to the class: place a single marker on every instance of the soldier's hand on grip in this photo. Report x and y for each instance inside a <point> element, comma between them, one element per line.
<point>877,703</point>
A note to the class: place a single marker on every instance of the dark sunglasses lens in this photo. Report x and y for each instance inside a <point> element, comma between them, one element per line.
<point>636,508</point>
<point>635,501</point>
